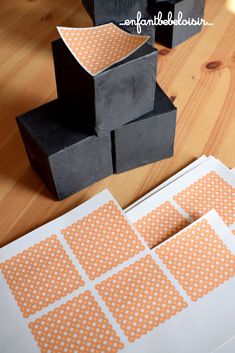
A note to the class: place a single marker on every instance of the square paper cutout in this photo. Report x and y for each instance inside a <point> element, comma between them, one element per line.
<point>40,275</point>
<point>102,240</point>
<point>140,297</point>
<point>198,259</point>
<point>76,326</point>
<point>160,224</point>
<point>98,48</point>
<point>209,192</point>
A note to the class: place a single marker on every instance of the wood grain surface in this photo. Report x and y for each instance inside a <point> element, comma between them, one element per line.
<point>199,75</point>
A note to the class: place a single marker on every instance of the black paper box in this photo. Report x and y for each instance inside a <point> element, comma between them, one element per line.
<point>66,159</point>
<point>112,98</point>
<point>172,35</point>
<point>145,31</point>
<point>103,11</point>
<point>147,139</point>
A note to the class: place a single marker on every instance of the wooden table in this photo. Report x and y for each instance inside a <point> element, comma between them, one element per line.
<point>198,75</point>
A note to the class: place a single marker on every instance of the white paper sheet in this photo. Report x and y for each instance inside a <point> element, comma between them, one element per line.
<point>96,236</point>
<point>163,210</point>
<point>176,176</point>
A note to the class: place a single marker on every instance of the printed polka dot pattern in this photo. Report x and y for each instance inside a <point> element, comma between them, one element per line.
<point>40,275</point>
<point>198,259</point>
<point>140,297</point>
<point>209,192</point>
<point>75,327</point>
<point>102,240</point>
<point>98,48</point>
<point>160,224</point>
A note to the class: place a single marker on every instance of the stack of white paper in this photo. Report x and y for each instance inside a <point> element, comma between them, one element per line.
<point>89,282</point>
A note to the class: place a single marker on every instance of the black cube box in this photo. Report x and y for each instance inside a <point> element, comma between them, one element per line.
<point>172,35</point>
<point>103,11</point>
<point>112,98</point>
<point>66,159</point>
<point>148,30</point>
<point>147,139</point>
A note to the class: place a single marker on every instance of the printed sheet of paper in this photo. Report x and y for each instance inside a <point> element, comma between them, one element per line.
<point>98,48</point>
<point>201,260</point>
<point>87,282</point>
<point>176,176</point>
<point>208,186</point>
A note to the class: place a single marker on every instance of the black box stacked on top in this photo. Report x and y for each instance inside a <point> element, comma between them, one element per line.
<point>112,98</point>
<point>82,136</point>
<point>104,11</point>
<point>172,35</point>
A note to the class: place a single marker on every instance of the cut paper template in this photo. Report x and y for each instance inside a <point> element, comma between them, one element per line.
<point>40,275</point>
<point>198,259</point>
<point>132,302</point>
<point>141,297</point>
<point>79,320</point>
<point>98,48</point>
<point>210,185</point>
<point>102,240</point>
<point>176,176</point>
<point>209,192</point>
<point>161,224</point>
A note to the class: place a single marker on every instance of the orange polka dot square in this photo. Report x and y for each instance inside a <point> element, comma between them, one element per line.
<point>102,240</point>
<point>40,275</point>
<point>160,224</point>
<point>98,48</point>
<point>140,297</point>
<point>198,259</point>
<point>76,326</point>
<point>209,192</point>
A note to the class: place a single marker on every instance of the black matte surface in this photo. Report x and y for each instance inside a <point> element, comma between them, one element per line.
<point>147,139</point>
<point>66,159</point>
<point>170,35</point>
<point>103,11</point>
<point>118,95</point>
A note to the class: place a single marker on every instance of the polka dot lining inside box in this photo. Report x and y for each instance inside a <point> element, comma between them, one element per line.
<point>98,48</point>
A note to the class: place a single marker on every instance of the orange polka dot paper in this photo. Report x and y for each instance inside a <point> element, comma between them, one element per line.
<point>198,259</point>
<point>160,224</point>
<point>102,240</point>
<point>77,326</point>
<point>209,192</point>
<point>98,48</point>
<point>40,275</point>
<point>140,297</point>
